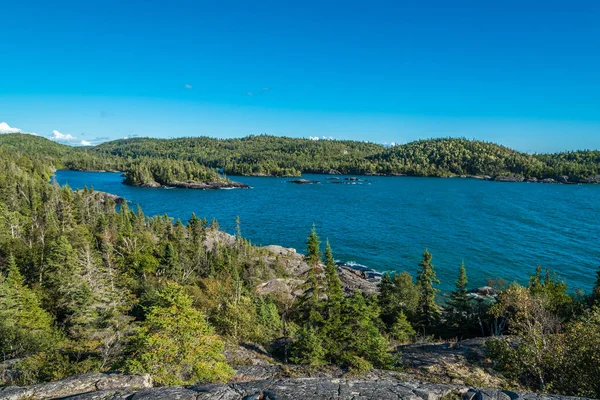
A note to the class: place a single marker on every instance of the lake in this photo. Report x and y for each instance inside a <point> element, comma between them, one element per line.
<point>499,229</point>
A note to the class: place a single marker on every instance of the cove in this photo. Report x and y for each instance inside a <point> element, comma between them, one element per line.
<point>499,229</point>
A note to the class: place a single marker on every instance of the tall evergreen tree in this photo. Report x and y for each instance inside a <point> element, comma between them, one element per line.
<point>459,307</point>
<point>313,249</point>
<point>334,285</point>
<point>428,310</point>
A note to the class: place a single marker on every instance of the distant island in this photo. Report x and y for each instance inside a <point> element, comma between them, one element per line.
<point>185,162</point>
<point>179,174</point>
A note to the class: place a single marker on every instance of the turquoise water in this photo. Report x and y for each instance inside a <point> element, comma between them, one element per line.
<point>499,229</point>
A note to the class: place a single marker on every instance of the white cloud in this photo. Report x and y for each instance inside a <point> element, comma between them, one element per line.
<point>85,143</point>
<point>5,128</point>
<point>249,94</point>
<point>188,86</point>
<point>62,137</point>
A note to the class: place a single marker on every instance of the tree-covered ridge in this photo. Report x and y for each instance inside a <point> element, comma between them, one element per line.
<point>59,156</point>
<point>167,171</point>
<point>252,155</point>
<point>270,155</point>
<point>282,156</point>
<point>446,157</point>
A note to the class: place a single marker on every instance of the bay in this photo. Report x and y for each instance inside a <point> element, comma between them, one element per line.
<point>498,229</point>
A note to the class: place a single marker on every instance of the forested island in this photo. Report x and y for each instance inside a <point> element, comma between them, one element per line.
<point>88,286</point>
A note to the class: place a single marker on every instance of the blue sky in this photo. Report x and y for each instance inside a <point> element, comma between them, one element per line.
<point>521,73</point>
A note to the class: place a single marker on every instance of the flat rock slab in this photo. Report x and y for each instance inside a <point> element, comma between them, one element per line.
<point>315,388</point>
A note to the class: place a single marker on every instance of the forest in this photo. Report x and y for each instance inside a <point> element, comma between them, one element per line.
<point>87,285</point>
<point>204,159</point>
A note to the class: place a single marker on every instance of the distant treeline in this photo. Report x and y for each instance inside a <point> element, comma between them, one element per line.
<point>281,156</point>
<point>276,156</point>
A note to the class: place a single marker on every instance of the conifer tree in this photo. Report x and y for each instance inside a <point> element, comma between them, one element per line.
<point>176,345</point>
<point>334,285</point>
<point>313,249</point>
<point>459,307</point>
<point>428,310</point>
<point>310,302</point>
<point>398,293</point>
<point>24,326</point>
<point>401,329</point>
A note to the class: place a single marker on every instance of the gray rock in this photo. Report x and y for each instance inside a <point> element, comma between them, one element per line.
<point>509,179</point>
<point>318,388</point>
<point>77,384</point>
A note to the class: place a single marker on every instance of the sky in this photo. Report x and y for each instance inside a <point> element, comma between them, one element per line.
<point>521,73</point>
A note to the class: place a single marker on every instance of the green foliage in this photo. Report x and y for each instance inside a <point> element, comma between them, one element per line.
<point>401,330</point>
<point>596,290</point>
<point>459,308</point>
<point>307,348</point>
<point>25,327</point>
<point>398,294</point>
<point>280,156</point>
<point>176,345</point>
<point>428,310</point>
<point>167,172</point>
<point>563,362</point>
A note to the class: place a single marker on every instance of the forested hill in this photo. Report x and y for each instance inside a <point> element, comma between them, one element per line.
<point>281,156</point>
<point>275,156</point>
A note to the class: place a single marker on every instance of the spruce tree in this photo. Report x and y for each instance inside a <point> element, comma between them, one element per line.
<point>458,310</point>
<point>428,310</point>
<point>313,249</point>
<point>334,285</point>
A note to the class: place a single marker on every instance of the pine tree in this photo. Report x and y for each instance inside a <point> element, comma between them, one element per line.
<point>459,307</point>
<point>429,311</point>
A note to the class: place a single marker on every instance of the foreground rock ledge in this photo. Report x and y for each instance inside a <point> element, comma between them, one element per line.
<point>276,389</point>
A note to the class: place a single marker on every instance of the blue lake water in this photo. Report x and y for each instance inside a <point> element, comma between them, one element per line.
<point>499,229</point>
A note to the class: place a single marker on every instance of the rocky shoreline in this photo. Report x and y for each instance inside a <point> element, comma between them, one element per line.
<point>195,185</point>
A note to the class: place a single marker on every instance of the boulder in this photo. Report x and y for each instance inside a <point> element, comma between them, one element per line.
<point>484,291</point>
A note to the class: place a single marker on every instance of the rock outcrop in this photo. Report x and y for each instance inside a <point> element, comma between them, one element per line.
<point>509,179</point>
<point>302,388</point>
<point>98,383</point>
<point>197,185</point>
